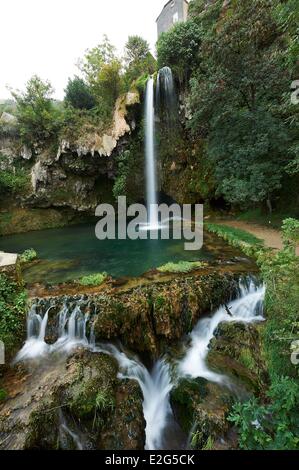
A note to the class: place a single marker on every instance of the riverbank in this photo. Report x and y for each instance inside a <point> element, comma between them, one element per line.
<point>271,237</point>
<point>276,411</point>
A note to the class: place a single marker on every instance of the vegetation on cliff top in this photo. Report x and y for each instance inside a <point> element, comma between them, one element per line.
<point>89,98</point>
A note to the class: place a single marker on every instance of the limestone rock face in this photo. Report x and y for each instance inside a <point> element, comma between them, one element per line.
<point>103,144</point>
<point>39,174</point>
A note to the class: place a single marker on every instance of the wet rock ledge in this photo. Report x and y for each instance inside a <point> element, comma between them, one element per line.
<point>149,318</point>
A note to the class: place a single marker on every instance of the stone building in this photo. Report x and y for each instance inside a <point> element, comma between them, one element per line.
<point>173,12</point>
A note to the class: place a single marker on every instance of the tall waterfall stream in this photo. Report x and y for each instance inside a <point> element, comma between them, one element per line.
<point>157,383</point>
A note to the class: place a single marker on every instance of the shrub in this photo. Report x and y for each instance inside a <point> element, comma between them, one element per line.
<point>13,181</point>
<point>13,300</point>
<point>28,255</point>
<point>93,280</point>
<point>38,119</point>
<point>78,94</point>
<point>180,267</point>
<point>274,426</point>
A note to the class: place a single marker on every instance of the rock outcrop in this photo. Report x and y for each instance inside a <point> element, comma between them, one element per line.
<point>71,404</point>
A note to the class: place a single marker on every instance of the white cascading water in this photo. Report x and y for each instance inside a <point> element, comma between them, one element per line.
<point>65,433</point>
<point>151,174</point>
<point>166,97</point>
<point>71,333</point>
<point>156,387</point>
<point>157,384</point>
<point>246,309</point>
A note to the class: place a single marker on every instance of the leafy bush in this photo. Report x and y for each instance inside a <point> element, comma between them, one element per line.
<point>178,48</point>
<point>78,94</point>
<point>28,255</point>
<point>38,119</point>
<point>93,280</point>
<point>138,58</point>
<point>13,300</point>
<point>14,181</point>
<point>180,267</point>
<point>273,426</point>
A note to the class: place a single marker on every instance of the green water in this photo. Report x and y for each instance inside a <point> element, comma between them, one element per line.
<point>73,252</point>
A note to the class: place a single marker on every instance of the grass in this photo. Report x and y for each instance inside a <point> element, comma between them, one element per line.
<point>92,280</point>
<point>232,234</point>
<point>180,267</point>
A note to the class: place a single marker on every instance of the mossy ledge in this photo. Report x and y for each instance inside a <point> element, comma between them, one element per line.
<point>146,318</point>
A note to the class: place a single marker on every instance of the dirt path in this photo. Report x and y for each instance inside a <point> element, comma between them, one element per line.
<point>271,237</point>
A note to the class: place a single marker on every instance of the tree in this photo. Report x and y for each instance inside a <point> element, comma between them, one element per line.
<point>102,72</point>
<point>38,119</point>
<point>238,102</point>
<point>136,49</point>
<point>178,48</point>
<point>138,58</point>
<point>78,94</point>
<point>247,150</point>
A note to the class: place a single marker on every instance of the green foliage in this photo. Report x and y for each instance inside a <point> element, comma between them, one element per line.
<point>273,426</point>
<point>38,119</point>
<point>138,59</point>
<point>180,267</point>
<point>123,164</point>
<point>93,280</point>
<point>78,94</point>
<point>13,182</point>
<point>3,395</point>
<point>93,400</point>
<point>290,231</point>
<point>13,300</point>
<point>179,47</point>
<point>248,152</point>
<point>234,235</point>
<point>28,256</point>
<point>102,71</point>
<point>241,71</point>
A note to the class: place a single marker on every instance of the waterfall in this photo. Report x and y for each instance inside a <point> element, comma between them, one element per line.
<point>71,333</point>
<point>166,99</point>
<point>162,431</point>
<point>66,435</point>
<point>151,174</point>
<point>155,385</point>
<point>246,309</point>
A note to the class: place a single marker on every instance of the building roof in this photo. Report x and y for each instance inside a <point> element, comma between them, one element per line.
<point>166,4</point>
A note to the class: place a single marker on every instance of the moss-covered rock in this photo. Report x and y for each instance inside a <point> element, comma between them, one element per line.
<point>74,403</point>
<point>236,352</point>
<point>201,409</point>
<point>151,318</point>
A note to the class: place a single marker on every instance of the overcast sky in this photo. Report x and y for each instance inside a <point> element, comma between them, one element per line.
<point>47,37</point>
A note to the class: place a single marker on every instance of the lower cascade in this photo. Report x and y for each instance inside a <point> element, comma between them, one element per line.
<point>75,330</point>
